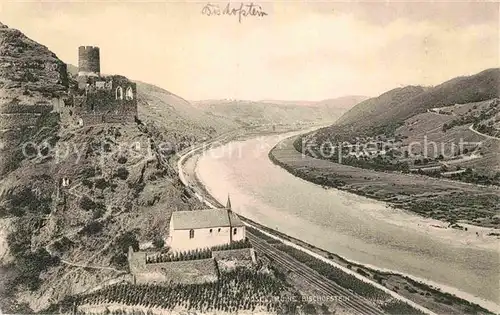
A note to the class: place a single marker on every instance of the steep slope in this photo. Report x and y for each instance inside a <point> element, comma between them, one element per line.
<point>29,72</point>
<point>174,114</point>
<point>30,76</point>
<point>73,200</point>
<point>376,109</point>
<point>395,106</point>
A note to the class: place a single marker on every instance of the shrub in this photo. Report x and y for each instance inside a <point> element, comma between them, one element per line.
<point>122,173</point>
<point>27,201</point>
<point>127,239</point>
<point>87,183</point>
<point>399,307</point>
<point>159,243</point>
<point>63,244</point>
<point>30,265</point>
<point>92,228</point>
<point>101,183</point>
<point>88,172</point>
<point>86,203</point>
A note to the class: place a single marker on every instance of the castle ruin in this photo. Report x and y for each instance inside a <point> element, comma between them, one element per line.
<point>98,99</point>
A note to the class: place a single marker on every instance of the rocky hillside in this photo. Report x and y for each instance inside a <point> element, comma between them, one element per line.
<point>30,72</point>
<point>30,76</point>
<point>72,200</point>
<point>377,108</point>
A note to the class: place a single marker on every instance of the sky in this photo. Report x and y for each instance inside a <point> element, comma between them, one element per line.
<point>298,51</point>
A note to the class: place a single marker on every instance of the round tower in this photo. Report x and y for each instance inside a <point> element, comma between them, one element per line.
<point>89,63</point>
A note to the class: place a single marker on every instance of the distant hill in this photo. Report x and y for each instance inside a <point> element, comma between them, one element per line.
<point>278,112</point>
<point>393,107</point>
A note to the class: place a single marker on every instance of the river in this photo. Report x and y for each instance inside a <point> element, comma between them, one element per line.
<point>355,227</point>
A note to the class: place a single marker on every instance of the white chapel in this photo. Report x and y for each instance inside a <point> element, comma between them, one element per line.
<point>200,229</point>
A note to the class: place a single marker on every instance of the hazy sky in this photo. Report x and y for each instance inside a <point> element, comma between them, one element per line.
<point>299,51</point>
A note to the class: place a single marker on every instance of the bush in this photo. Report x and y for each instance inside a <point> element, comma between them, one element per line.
<point>86,203</point>
<point>31,265</point>
<point>122,173</point>
<point>63,244</point>
<point>87,183</point>
<point>27,201</point>
<point>122,160</point>
<point>102,184</point>
<point>92,228</point>
<point>159,243</point>
<point>398,308</point>
<point>88,172</point>
<point>127,239</point>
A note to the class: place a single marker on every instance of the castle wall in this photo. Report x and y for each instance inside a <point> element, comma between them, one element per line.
<point>110,99</point>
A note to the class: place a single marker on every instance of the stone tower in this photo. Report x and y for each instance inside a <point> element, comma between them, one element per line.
<point>89,63</point>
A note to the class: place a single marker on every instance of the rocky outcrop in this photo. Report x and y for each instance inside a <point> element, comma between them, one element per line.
<point>29,72</point>
<point>31,77</point>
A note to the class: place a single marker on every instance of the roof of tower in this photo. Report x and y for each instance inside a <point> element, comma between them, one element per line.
<point>228,203</point>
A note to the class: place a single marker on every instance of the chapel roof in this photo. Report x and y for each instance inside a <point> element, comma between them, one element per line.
<point>198,219</point>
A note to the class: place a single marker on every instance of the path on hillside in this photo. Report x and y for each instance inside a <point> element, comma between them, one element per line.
<point>482,134</point>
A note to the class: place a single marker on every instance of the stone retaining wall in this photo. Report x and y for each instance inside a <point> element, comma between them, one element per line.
<point>18,120</point>
<point>95,119</point>
<point>232,258</point>
<point>188,272</point>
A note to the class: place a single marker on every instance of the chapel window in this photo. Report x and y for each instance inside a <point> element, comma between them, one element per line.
<point>119,93</point>
<point>129,95</point>
<point>191,233</point>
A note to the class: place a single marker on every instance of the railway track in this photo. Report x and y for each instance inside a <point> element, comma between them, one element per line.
<point>345,298</point>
